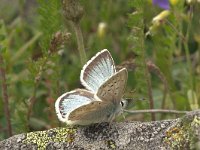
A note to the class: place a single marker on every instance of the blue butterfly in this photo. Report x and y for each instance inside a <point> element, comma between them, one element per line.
<point>101,101</point>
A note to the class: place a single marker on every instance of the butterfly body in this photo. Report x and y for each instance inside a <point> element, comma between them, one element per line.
<point>106,113</point>
<point>101,100</point>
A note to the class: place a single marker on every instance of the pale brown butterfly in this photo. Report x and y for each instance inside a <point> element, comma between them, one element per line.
<point>101,101</point>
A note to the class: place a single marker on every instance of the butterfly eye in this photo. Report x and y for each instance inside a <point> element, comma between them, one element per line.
<point>122,103</point>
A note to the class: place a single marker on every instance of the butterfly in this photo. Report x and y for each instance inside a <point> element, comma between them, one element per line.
<point>101,101</point>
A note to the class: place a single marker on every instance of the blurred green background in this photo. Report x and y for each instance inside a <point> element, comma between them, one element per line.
<point>125,28</point>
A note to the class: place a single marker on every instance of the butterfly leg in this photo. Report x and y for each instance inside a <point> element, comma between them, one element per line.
<point>110,124</point>
<point>98,124</point>
<point>111,120</point>
<point>124,117</point>
<point>72,126</point>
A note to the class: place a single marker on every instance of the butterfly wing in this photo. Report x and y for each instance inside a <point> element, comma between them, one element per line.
<point>95,112</point>
<point>97,70</point>
<point>70,101</point>
<point>113,89</point>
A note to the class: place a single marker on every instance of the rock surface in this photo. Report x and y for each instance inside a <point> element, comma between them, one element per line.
<point>181,133</point>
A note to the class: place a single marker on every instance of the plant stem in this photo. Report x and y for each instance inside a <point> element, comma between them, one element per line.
<point>33,99</point>
<point>151,102</point>
<point>153,68</point>
<point>5,96</point>
<point>148,80</point>
<point>156,111</point>
<point>56,41</point>
<point>79,37</point>
<point>73,11</point>
<point>32,103</point>
<point>187,52</point>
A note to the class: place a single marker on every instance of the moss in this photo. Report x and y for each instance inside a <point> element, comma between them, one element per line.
<point>194,138</point>
<point>176,137</point>
<point>111,144</point>
<point>42,138</point>
<point>180,136</point>
<point>196,122</point>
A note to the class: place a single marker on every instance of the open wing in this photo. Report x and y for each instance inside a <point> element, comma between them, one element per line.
<point>70,101</point>
<point>97,70</point>
<point>113,89</point>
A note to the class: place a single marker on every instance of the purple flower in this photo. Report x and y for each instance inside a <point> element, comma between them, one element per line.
<point>161,3</point>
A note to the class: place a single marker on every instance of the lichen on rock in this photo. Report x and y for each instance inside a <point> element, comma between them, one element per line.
<point>43,138</point>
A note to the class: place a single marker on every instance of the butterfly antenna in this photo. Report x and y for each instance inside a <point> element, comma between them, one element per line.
<point>134,99</point>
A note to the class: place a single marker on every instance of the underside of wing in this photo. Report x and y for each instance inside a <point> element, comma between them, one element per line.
<point>113,88</point>
<point>97,70</point>
<point>70,101</point>
<point>94,112</point>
